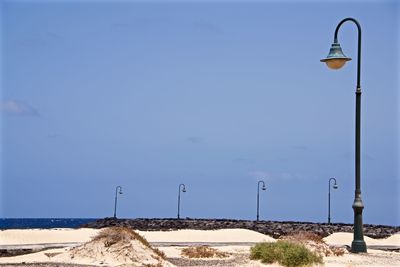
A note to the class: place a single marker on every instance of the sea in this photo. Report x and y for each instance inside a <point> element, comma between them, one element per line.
<point>43,223</point>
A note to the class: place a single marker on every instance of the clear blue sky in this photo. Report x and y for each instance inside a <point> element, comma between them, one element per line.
<point>215,94</point>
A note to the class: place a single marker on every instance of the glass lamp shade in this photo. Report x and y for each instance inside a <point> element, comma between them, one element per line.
<point>335,63</point>
<point>335,59</point>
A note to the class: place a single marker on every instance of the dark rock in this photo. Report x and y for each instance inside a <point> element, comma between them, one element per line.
<point>274,229</point>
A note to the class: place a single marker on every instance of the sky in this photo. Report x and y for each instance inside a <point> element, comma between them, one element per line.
<point>213,94</point>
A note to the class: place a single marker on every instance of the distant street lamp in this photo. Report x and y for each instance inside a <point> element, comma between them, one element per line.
<point>329,197</point>
<point>179,196</point>
<point>335,60</point>
<point>118,190</point>
<point>258,197</point>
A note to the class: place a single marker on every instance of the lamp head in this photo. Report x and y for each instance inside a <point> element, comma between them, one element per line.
<point>184,190</point>
<point>264,188</point>
<point>335,59</point>
<point>335,186</point>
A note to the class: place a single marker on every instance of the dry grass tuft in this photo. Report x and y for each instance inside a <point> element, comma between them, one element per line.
<point>315,243</point>
<point>52,254</point>
<point>123,235</point>
<point>153,265</point>
<point>305,236</point>
<point>337,251</point>
<point>203,252</point>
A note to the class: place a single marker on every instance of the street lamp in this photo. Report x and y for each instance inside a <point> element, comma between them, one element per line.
<point>329,198</point>
<point>258,197</point>
<point>118,190</point>
<point>179,196</point>
<point>335,60</point>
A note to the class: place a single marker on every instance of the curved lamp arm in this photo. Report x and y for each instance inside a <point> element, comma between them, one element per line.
<point>332,179</point>
<point>120,190</point>
<point>183,188</point>
<point>335,40</point>
<point>261,182</point>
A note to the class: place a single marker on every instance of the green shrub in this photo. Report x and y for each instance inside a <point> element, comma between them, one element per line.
<point>285,253</point>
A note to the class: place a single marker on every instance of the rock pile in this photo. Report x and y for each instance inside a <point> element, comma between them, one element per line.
<point>271,228</point>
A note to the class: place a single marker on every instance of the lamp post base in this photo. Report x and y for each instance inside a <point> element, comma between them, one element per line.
<point>358,246</point>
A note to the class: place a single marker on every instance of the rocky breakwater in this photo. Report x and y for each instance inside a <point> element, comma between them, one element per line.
<point>271,228</point>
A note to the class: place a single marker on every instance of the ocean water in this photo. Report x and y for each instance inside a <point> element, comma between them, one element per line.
<point>43,223</point>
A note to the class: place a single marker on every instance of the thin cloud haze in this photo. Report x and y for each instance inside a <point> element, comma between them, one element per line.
<point>18,108</point>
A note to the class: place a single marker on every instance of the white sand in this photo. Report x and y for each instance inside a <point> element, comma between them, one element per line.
<point>374,258</point>
<point>96,252</point>
<point>65,235</point>
<point>42,236</point>
<point>33,257</point>
<point>222,236</point>
<point>341,239</point>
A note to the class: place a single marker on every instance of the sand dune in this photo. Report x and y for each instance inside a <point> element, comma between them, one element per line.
<point>65,235</point>
<point>222,236</point>
<point>341,239</point>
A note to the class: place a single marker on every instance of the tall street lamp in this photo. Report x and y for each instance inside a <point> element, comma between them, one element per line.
<point>335,60</point>
<point>258,197</point>
<point>118,190</point>
<point>335,186</point>
<point>183,189</point>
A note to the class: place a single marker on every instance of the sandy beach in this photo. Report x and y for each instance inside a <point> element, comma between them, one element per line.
<point>235,242</point>
<point>42,236</point>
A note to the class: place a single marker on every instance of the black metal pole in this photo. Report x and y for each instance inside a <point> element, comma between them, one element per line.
<point>258,201</point>
<point>329,200</point>
<point>258,198</point>
<point>179,197</point>
<point>358,244</point>
<point>179,201</point>
<point>329,203</point>
<point>115,201</point>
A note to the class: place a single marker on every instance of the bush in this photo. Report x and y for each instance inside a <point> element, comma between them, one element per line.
<point>285,253</point>
<point>203,252</point>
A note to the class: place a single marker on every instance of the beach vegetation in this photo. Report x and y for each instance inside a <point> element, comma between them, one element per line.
<point>203,252</point>
<point>305,236</point>
<point>153,265</point>
<point>116,235</point>
<point>315,243</point>
<point>286,253</point>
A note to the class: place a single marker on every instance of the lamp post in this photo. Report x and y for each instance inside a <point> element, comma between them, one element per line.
<point>335,60</point>
<point>118,190</point>
<point>329,198</point>
<point>258,197</point>
<point>179,196</point>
